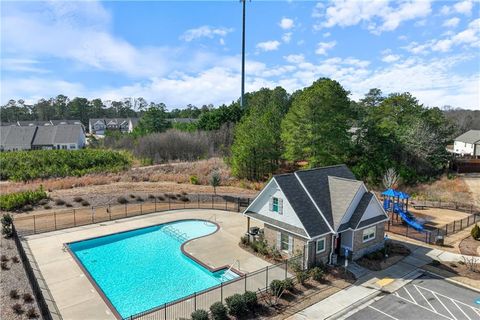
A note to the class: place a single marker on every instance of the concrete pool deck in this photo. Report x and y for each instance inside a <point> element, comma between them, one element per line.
<point>76,297</point>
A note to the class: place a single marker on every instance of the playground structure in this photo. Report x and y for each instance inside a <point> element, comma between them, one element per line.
<point>397,202</point>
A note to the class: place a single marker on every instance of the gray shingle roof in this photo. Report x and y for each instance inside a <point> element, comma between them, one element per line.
<point>302,205</point>
<point>471,136</point>
<point>316,182</point>
<point>358,213</point>
<point>342,194</point>
<point>59,134</point>
<point>371,221</point>
<point>15,136</point>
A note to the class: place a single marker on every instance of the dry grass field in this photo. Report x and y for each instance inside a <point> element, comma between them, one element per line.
<point>444,189</point>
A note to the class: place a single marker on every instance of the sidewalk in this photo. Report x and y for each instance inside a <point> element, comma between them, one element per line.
<point>375,283</point>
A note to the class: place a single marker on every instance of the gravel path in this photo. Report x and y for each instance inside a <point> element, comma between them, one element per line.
<point>14,278</point>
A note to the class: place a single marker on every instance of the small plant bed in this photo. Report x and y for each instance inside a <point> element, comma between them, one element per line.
<point>469,268</point>
<point>261,249</point>
<point>385,257</point>
<point>470,246</point>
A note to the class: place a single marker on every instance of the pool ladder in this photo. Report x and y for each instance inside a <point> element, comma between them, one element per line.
<point>175,233</point>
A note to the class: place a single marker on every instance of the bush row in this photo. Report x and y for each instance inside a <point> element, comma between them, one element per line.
<point>17,200</point>
<point>237,305</point>
<point>33,164</point>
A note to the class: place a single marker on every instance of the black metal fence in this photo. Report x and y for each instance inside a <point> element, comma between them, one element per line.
<point>32,278</point>
<point>52,220</point>
<point>257,281</point>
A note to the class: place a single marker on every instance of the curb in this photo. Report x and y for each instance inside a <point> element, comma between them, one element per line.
<point>355,305</point>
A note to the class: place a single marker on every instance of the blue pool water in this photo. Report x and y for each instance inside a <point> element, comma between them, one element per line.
<point>144,268</point>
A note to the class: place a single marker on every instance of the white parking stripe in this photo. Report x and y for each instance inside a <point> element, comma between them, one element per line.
<point>440,300</point>
<point>433,309</point>
<point>477,311</point>
<point>410,295</point>
<point>453,300</point>
<point>460,309</point>
<point>419,305</point>
<point>383,313</point>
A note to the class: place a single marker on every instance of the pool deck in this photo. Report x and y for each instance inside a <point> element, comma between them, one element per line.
<point>77,298</point>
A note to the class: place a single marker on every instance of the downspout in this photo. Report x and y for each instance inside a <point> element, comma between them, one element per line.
<point>331,248</point>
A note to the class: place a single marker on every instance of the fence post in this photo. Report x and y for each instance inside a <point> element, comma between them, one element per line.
<point>55,219</point>
<point>246,275</point>
<point>34,225</point>
<point>212,201</point>
<point>198,201</point>
<point>266,278</point>
<point>93,215</point>
<point>286,266</point>
<point>169,206</point>
<point>461,224</point>
<point>194,301</point>
<point>126,211</point>
<point>155,204</point>
<point>74,218</point>
<point>141,208</point>
<point>221,292</point>
<point>446,229</point>
<point>238,204</point>
<point>109,213</point>
<point>226,207</point>
<point>426,237</point>
<point>454,223</point>
<point>165,308</point>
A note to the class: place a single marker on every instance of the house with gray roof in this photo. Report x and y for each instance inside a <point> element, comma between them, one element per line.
<point>468,144</point>
<point>15,138</point>
<point>61,136</point>
<point>101,126</point>
<point>325,213</point>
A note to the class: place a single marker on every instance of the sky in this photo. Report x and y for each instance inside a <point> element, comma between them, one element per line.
<point>183,52</point>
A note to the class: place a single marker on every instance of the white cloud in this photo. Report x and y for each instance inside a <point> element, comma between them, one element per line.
<point>287,36</point>
<point>323,47</point>
<point>390,58</point>
<point>326,34</point>
<point>464,7</point>
<point>295,58</point>
<point>451,23</point>
<point>22,65</point>
<point>286,23</point>
<point>445,10</point>
<point>205,32</point>
<point>378,16</point>
<point>268,45</point>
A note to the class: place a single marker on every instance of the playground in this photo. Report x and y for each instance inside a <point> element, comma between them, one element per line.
<point>421,221</point>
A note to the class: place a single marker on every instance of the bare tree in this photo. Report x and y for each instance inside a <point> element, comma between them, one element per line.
<point>390,178</point>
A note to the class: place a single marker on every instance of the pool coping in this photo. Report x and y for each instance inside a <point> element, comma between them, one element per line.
<point>104,296</point>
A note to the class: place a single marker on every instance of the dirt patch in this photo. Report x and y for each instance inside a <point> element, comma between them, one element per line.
<point>436,217</point>
<point>14,278</point>
<point>470,246</point>
<point>445,189</point>
<point>384,258</point>
<point>458,269</point>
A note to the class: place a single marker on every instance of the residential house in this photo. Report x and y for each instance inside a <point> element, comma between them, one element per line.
<point>15,138</point>
<point>100,126</point>
<point>62,136</point>
<point>467,144</point>
<point>324,213</point>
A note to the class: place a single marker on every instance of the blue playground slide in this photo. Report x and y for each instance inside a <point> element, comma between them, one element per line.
<point>387,204</point>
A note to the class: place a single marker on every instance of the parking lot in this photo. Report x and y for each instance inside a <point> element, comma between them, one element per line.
<point>425,298</point>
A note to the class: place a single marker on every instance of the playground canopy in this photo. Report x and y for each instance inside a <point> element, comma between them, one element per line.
<point>394,193</point>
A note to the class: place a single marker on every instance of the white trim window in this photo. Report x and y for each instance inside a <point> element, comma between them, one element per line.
<point>284,242</point>
<point>320,245</point>
<point>369,233</point>
<point>275,204</point>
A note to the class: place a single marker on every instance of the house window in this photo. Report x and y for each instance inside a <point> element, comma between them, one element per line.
<point>320,245</point>
<point>72,146</point>
<point>284,241</point>
<point>275,204</point>
<point>369,234</point>
<point>64,147</point>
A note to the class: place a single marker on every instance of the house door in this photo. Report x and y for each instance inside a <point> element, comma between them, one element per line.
<point>338,244</point>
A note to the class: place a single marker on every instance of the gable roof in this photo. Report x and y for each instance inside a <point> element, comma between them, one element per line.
<point>358,213</point>
<point>15,136</point>
<point>302,205</point>
<point>471,136</point>
<point>59,134</point>
<point>342,194</point>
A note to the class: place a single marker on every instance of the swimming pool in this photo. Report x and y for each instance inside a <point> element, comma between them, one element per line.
<point>144,268</point>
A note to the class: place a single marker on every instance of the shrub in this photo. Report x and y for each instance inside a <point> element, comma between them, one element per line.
<point>14,294</point>
<point>132,196</point>
<point>244,240</point>
<point>27,207</point>
<point>68,205</point>
<point>199,315</point>
<point>32,313</point>
<point>4,265</point>
<point>7,222</point>
<point>85,203</point>
<point>288,284</point>
<point>184,199</point>
<point>122,200</point>
<point>78,199</point>
<point>33,164</point>
<point>43,201</point>
<point>151,196</point>
<point>140,199</point>
<point>3,258</point>
<point>317,274</point>
<point>17,308</point>
<point>276,287</point>
<point>251,300</point>
<point>301,276</point>
<point>27,297</point>
<point>183,193</point>
<point>17,200</point>
<point>15,259</point>
<point>59,202</point>
<point>475,232</point>
<point>47,207</point>
<point>194,179</point>
<point>236,305</point>
<point>219,311</point>
<point>161,198</point>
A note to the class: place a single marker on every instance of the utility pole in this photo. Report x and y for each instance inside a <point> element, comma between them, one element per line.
<point>242,98</point>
